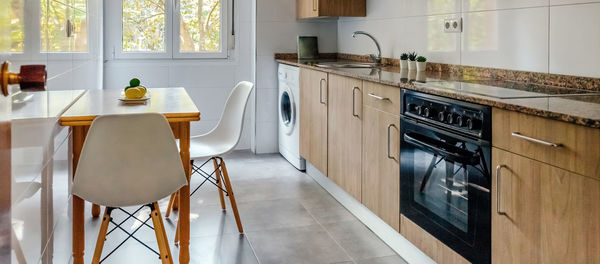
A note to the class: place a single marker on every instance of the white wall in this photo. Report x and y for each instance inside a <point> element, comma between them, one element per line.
<point>208,81</point>
<point>551,36</point>
<point>276,32</point>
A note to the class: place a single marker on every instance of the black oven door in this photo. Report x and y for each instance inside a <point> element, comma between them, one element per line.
<point>445,187</point>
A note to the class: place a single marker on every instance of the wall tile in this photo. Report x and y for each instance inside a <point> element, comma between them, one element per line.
<point>509,39</point>
<point>276,10</point>
<point>570,2</point>
<point>267,105</point>
<point>469,5</point>
<point>273,37</point>
<point>575,40</point>
<point>202,76</point>
<point>429,7</point>
<point>425,35</point>
<point>267,137</point>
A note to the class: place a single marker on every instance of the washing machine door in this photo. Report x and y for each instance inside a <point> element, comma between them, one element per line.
<point>287,109</point>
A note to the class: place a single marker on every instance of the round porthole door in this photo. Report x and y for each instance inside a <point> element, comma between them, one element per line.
<point>287,111</point>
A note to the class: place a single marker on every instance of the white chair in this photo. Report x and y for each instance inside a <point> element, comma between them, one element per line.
<point>219,141</point>
<point>129,160</point>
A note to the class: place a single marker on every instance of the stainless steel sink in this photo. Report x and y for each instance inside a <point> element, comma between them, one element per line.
<point>348,65</point>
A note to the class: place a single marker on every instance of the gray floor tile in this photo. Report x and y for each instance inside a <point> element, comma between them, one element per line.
<point>360,242</point>
<point>273,214</point>
<point>326,209</point>
<point>299,245</point>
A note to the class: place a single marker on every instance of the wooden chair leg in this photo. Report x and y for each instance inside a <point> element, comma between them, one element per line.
<point>218,176</point>
<point>231,197</point>
<point>176,202</point>
<point>161,236</point>
<point>170,207</point>
<point>177,232</point>
<point>101,236</point>
<point>16,245</point>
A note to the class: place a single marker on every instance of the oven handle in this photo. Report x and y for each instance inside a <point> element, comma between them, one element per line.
<point>442,152</point>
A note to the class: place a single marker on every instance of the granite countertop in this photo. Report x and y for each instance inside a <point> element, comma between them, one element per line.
<point>580,110</point>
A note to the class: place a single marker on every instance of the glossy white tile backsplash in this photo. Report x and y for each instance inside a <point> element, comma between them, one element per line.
<point>551,36</point>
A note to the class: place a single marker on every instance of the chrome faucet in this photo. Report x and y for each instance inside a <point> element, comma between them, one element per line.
<point>375,58</point>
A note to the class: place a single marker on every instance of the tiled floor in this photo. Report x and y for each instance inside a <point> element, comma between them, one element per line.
<point>287,217</point>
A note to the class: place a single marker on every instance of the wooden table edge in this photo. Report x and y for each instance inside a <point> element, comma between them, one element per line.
<point>87,120</point>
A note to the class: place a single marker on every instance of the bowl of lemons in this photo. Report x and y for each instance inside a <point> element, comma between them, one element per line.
<point>135,92</point>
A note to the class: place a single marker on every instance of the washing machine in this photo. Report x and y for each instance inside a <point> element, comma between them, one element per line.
<point>289,115</point>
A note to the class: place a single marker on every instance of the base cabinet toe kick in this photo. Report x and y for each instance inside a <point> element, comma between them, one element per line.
<point>543,174</point>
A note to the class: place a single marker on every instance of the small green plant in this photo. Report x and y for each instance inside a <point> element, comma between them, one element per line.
<point>412,56</point>
<point>404,56</point>
<point>421,59</point>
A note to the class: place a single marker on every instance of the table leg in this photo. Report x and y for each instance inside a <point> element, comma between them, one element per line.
<point>78,242</point>
<point>184,195</point>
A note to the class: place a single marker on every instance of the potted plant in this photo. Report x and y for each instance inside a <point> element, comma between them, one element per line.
<point>404,61</point>
<point>421,63</point>
<point>412,61</point>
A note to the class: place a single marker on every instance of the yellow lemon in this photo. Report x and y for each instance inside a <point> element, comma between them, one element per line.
<point>135,93</point>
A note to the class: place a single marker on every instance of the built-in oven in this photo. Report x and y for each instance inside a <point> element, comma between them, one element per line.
<point>445,171</point>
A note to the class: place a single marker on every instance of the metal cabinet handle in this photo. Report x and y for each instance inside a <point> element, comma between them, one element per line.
<point>389,141</point>
<point>379,97</point>
<point>354,101</point>
<point>314,5</point>
<point>321,91</point>
<point>535,140</point>
<point>498,169</point>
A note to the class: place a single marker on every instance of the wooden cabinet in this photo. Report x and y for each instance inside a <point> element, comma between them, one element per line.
<point>380,159</point>
<point>579,149</point>
<point>543,214</point>
<point>345,133</point>
<point>330,8</point>
<point>313,120</point>
<point>381,179</point>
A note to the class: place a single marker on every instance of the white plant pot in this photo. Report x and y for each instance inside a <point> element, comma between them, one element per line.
<point>421,66</point>
<point>412,65</point>
<point>403,64</point>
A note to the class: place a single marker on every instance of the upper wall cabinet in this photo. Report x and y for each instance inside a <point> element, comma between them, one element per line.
<point>330,8</point>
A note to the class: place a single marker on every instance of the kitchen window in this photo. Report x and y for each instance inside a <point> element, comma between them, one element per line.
<point>61,31</point>
<point>161,29</point>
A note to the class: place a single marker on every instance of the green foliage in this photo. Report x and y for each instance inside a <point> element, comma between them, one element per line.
<point>54,18</point>
<point>421,59</point>
<point>412,56</point>
<point>144,25</point>
<point>404,56</point>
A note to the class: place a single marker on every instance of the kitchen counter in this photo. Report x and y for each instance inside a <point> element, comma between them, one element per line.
<point>581,110</point>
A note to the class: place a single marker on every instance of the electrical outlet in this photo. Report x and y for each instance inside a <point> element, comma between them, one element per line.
<point>453,25</point>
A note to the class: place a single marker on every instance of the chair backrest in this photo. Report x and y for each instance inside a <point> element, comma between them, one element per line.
<point>128,160</point>
<point>229,129</point>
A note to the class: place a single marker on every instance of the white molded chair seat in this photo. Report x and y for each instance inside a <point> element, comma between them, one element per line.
<point>226,135</point>
<point>129,160</point>
<point>219,141</point>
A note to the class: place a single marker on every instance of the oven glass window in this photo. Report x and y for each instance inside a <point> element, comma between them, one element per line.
<point>441,187</point>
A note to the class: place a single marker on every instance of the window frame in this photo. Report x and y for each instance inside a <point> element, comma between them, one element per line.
<point>172,41</point>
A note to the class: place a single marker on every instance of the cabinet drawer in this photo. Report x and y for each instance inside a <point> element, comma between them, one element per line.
<point>576,148</point>
<point>382,97</point>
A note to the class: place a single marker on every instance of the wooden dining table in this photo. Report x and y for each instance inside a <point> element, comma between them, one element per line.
<point>179,109</point>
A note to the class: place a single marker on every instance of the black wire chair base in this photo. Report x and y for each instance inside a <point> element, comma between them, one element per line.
<point>209,177</point>
<point>129,235</point>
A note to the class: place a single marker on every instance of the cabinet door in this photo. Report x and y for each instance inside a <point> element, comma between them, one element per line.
<point>381,179</point>
<point>345,133</point>
<point>307,8</point>
<point>313,120</point>
<point>543,214</point>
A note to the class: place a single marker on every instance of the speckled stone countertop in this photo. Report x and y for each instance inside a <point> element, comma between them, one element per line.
<point>580,110</point>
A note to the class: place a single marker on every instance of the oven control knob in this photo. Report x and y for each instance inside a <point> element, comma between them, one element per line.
<point>427,112</point>
<point>451,118</point>
<point>473,124</point>
<point>442,116</point>
<point>419,109</point>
